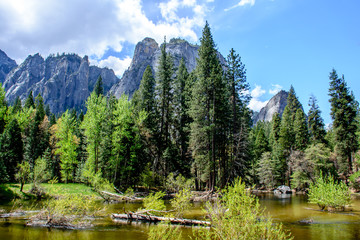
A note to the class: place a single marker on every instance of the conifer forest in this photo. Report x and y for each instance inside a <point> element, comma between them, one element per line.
<point>178,123</point>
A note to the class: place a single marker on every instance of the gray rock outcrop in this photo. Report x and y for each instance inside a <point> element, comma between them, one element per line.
<point>276,104</point>
<point>147,52</point>
<point>6,65</point>
<point>65,81</point>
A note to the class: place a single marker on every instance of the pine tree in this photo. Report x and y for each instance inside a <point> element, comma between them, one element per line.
<point>164,92</point>
<point>301,130</point>
<point>343,113</point>
<point>17,107</point>
<point>181,117</point>
<point>146,98</point>
<point>30,101</point>
<point>208,112</point>
<point>316,124</point>
<point>98,88</point>
<point>11,148</point>
<point>239,98</point>
<point>3,109</point>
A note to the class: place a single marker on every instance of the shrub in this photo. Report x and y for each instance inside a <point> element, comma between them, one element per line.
<point>176,184</point>
<point>237,215</point>
<point>155,202</point>
<point>327,193</point>
<point>181,202</point>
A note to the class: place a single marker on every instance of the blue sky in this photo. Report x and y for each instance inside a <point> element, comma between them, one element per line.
<point>281,42</point>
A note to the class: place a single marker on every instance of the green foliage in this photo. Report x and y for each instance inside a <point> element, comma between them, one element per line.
<point>69,204</point>
<point>66,146</point>
<point>164,232</point>
<point>127,153</point>
<point>354,180</point>
<point>300,130</point>
<point>98,88</point>
<point>237,215</point>
<point>154,201</point>
<point>266,171</point>
<point>316,124</point>
<point>330,194</point>
<point>11,148</point>
<point>93,126</point>
<point>40,171</point>
<point>175,184</point>
<point>344,113</point>
<point>181,202</point>
<point>23,174</point>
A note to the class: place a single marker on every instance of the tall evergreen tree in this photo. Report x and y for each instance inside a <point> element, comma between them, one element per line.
<point>164,93</point>
<point>98,88</point>
<point>17,107</point>
<point>301,130</point>
<point>11,148</point>
<point>181,116</point>
<point>208,112</point>
<point>343,113</point>
<point>29,102</point>
<point>239,98</point>
<point>3,109</point>
<point>316,124</point>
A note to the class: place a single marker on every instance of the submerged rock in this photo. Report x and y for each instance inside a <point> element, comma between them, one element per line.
<point>283,190</point>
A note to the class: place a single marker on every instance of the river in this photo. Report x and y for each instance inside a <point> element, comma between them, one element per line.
<point>294,212</point>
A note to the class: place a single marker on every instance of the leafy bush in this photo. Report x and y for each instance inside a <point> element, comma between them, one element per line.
<point>175,184</point>
<point>181,202</point>
<point>237,215</point>
<point>354,180</point>
<point>327,193</point>
<point>164,232</point>
<point>155,202</point>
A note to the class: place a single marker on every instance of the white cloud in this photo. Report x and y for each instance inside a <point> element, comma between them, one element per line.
<point>275,89</point>
<point>256,105</point>
<point>242,3</point>
<point>90,27</point>
<point>257,92</point>
<point>117,64</point>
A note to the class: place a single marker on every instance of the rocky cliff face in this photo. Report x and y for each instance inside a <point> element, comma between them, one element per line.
<point>147,52</point>
<point>64,81</point>
<point>6,65</point>
<point>276,104</point>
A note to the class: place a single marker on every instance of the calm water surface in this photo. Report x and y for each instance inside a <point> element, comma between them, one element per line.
<point>290,211</point>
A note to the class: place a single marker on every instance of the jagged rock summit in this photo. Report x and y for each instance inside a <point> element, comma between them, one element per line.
<point>147,52</point>
<point>6,65</point>
<point>65,81</point>
<point>276,104</point>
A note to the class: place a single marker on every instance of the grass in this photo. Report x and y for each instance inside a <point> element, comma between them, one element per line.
<point>10,191</point>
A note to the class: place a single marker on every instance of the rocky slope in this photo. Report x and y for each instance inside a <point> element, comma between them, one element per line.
<point>147,52</point>
<point>65,81</point>
<point>6,65</point>
<point>276,104</point>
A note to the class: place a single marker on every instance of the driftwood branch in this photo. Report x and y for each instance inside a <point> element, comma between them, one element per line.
<point>155,219</point>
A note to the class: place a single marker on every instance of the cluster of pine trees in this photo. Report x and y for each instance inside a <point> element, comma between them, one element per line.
<point>195,124</point>
<point>296,148</point>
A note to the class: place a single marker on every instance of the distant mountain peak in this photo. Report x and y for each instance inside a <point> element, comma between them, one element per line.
<point>6,65</point>
<point>276,104</point>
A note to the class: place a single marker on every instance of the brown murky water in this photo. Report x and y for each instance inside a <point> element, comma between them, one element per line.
<point>294,212</point>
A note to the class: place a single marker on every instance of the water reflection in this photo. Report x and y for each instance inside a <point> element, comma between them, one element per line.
<point>304,221</point>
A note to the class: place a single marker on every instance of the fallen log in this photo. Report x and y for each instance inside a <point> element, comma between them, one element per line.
<point>117,197</point>
<point>12,214</point>
<point>155,219</point>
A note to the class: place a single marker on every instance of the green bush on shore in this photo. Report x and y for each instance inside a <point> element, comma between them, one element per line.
<point>329,194</point>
